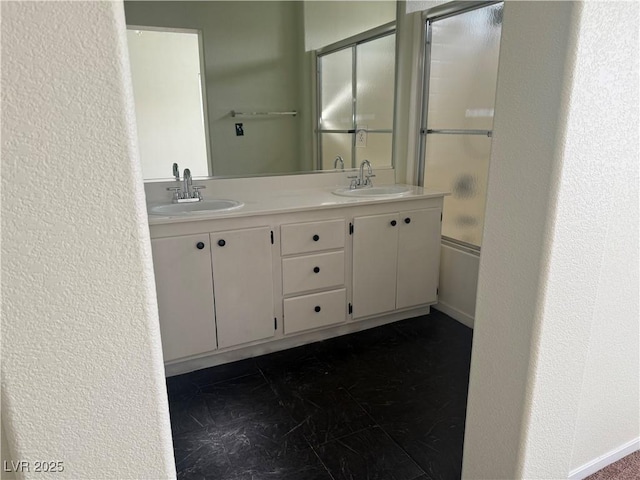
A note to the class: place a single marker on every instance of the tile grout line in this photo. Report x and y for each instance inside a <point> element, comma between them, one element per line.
<point>281,402</point>
<point>388,436</point>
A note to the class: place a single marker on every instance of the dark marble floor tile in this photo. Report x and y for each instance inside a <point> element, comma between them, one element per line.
<point>386,403</point>
<point>326,414</point>
<point>189,414</point>
<point>438,332</point>
<point>187,384</point>
<point>369,454</point>
<point>269,449</point>
<point>298,366</point>
<point>433,438</point>
<point>180,388</point>
<point>201,454</point>
<point>243,399</point>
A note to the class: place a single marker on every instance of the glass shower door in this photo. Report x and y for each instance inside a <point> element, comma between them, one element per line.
<point>356,83</point>
<point>461,71</point>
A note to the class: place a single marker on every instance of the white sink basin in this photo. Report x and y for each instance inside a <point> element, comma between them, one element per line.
<point>381,191</point>
<point>205,206</point>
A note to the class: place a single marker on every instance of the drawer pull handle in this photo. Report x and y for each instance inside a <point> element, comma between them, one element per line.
<point>316,269</point>
<point>407,220</point>
<point>200,245</point>
<point>393,223</point>
<point>222,243</point>
<point>317,309</point>
<point>316,238</point>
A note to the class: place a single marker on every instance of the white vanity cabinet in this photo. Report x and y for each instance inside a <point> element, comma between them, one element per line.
<point>184,286</point>
<point>234,268</point>
<point>313,275</point>
<point>243,285</point>
<point>266,278</point>
<point>396,257</point>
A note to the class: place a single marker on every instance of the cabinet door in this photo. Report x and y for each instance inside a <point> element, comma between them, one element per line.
<point>418,257</point>
<point>243,284</point>
<point>185,295</point>
<point>375,254</point>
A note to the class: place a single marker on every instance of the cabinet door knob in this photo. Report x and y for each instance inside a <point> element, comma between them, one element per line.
<point>316,238</point>
<point>200,245</point>
<point>407,220</point>
<point>222,243</point>
<point>317,309</point>
<point>393,223</point>
<point>316,269</point>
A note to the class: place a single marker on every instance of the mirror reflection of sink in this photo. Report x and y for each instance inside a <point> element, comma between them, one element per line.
<point>381,191</point>
<point>205,206</point>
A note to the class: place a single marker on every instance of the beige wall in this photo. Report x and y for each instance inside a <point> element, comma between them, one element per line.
<point>556,326</point>
<point>253,58</point>
<point>329,22</point>
<point>82,373</point>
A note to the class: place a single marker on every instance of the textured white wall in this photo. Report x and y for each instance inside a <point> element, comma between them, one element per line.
<point>82,372</point>
<point>603,169</point>
<point>5,456</point>
<point>561,223</point>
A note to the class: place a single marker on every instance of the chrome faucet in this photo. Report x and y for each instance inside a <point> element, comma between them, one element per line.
<point>335,163</point>
<point>188,192</point>
<point>186,179</point>
<point>366,181</point>
<point>363,180</point>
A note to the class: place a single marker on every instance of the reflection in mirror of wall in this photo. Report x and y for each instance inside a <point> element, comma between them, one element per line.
<point>213,58</point>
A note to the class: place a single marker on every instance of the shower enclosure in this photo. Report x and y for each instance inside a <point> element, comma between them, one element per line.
<point>462,45</point>
<point>356,79</point>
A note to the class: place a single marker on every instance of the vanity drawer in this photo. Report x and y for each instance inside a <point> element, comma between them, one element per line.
<point>315,310</point>
<point>312,236</point>
<point>312,272</point>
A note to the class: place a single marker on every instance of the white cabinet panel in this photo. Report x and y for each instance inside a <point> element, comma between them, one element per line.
<point>418,257</point>
<point>185,295</point>
<point>312,236</point>
<point>316,310</point>
<point>375,255</point>
<point>312,272</point>
<point>243,283</point>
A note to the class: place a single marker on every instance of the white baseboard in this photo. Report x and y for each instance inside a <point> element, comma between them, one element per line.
<point>454,313</point>
<point>605,460</point>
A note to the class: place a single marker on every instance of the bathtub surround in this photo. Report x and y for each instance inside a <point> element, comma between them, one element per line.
<point>82,375</point>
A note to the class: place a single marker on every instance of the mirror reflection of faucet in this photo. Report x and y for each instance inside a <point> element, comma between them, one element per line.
<point>362,180</point>
<point>188,192</point>
<point>338,160</point>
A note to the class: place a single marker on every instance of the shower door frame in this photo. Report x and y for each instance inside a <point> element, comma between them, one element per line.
<point>429,16</point>
<point>352,43</point>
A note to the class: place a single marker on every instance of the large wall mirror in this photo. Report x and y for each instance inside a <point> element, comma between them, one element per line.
<point>251,88</point>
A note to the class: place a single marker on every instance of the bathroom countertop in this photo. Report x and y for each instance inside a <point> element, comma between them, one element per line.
<point>261,203</point>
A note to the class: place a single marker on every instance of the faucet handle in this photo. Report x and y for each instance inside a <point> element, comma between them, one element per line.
<point>176,192</point>
<point>196,191</point>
